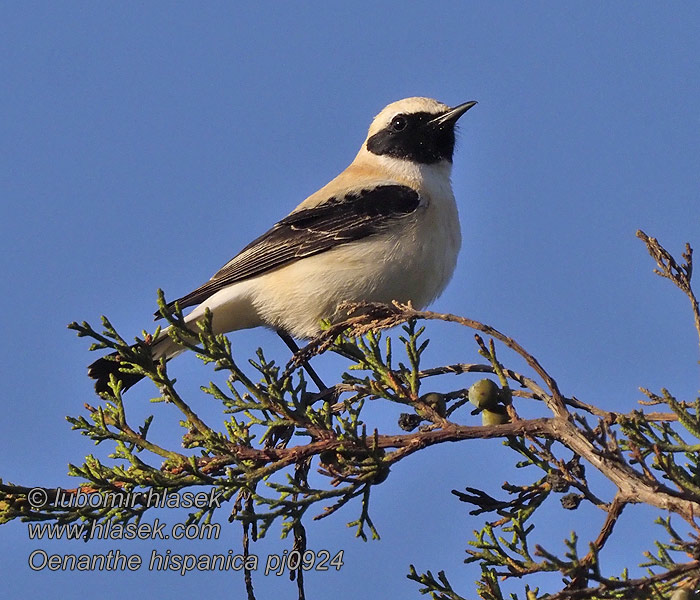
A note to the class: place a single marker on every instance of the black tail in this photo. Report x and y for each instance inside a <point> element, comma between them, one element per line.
<point>103,367</point>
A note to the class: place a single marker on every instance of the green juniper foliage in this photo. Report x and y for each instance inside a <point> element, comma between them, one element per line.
<point>274,430</point>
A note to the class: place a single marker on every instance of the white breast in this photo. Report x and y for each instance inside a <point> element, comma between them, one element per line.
<point>413,262</point>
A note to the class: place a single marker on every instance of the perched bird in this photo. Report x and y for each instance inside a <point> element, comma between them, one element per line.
<point>385,229</point>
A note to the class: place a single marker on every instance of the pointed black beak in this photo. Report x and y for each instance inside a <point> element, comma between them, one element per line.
<point>453,114</point>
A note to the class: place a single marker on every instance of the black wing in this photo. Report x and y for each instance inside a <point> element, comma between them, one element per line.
<point>310,231</point>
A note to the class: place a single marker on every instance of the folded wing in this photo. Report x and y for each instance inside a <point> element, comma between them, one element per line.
<point>339,220</point>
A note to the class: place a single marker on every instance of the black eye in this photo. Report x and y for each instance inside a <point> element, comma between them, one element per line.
<point>398,123</point>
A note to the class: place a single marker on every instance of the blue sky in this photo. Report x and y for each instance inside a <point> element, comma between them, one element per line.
<point>143,144</point>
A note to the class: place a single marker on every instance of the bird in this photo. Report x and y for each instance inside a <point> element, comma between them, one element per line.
<point>385,229</point>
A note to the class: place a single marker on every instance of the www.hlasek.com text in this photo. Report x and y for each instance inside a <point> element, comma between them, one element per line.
<point>114,530</point>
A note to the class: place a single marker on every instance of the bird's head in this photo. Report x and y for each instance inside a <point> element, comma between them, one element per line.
<point>418,130</point>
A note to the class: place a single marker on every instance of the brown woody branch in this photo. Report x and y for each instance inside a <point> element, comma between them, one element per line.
<point>633,486</point>
<point>609,586</point>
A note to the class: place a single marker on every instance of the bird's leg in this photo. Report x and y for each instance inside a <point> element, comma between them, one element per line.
<point>292,345</point>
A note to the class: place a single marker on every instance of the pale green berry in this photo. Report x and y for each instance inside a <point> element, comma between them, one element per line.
<point>497,416</point>
<point>484,394</point>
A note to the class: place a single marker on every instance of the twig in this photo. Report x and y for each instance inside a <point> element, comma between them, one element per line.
<point>680,275</point>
